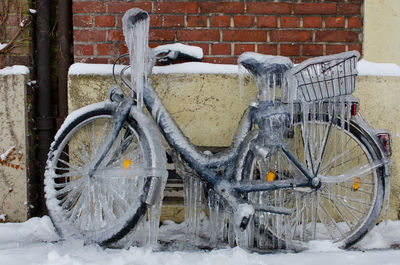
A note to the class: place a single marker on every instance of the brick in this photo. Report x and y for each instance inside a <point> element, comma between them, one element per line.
<point>196,21</point>
<point>315,8</point>
<point>115,35</point>
<point>355,47</point>
<point>203,46</point>
<point>267,49</point>
<point>244,35</point>
<point>82,21</point>
<point>312,22</point>
<point>222,7</point>
<point>90,35</point>
<point>221,60</point>
<point>221,49</point>
<point>334,22</point>
<point>355,22</point>
<point>289,49</point>
<point>243,21</point>
<point>174,21</point>
<point>94,60</point>
<point>175,7</point>
<point>349,9</point>
<point>241,48</point>
<point>220,21</point>
<point>104,21</point>
<point>298,60</point>
<point>107,49</point>
<point>88,7</point>
<point>335,48</point>
<point>337,36</point>
<point>291,35</point>
<point>82,50</point>
<point>198,35</point>
<point>161,35</point>
<point>121,7</point>
<point>313,49</point>
<point>155,21</point>
<point>290,22</point>
<point>269,8</point>
<point>267,22</point>
<point>123,49</point>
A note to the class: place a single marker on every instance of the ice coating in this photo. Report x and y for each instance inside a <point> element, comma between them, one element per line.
<point>269,74</point>
<point>192,51</point>
<point>135,26</point>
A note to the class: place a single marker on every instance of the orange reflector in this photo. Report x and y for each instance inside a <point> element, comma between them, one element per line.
<point>270,176</point>
<point>356,184</point>
<point>127,162</point>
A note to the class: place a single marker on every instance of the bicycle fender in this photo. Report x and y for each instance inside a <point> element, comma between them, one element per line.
<point>157,174</point>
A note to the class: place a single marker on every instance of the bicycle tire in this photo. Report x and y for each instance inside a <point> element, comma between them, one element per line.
<point>337,201</point>
<point>104,208</point>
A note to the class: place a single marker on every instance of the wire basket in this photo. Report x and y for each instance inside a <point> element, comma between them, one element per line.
<point>326,77</point>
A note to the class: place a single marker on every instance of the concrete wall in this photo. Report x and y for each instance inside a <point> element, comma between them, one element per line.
<point>13,132</point>
<point>381,31</point>
<point>207,107</point>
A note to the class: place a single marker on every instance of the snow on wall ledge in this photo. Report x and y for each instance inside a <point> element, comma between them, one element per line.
<point>364,68</point>
<point>15,70</point>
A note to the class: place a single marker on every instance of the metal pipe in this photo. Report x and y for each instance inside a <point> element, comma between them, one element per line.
<point>64,56</point>
<point>45,121</point>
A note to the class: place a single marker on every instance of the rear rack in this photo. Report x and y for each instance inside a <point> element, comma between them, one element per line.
<point>326,76</point>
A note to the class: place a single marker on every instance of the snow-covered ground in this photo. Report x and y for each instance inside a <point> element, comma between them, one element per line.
<point>35,242</point>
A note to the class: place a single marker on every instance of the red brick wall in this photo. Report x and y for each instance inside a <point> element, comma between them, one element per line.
<point>299,29</point>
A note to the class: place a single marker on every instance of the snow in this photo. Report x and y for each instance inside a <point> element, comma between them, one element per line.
<point>32,11</point>
<point>35,242</point>
<point>378,69</point>
<point>2,45</point>
<point>15,70</point>
<point>364,68</point>
<point>183,68</point>
<point>4,156</point>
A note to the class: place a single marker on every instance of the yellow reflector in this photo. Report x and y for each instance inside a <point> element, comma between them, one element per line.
<point>270,176</point>
<point>127,162</point>
<point>356,184</point>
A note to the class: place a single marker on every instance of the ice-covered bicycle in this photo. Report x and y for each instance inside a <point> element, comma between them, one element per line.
<point>303,163</point>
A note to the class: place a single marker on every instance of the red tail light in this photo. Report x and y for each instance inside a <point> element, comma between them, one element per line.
<point>384,137</point>
<point>354,108</point>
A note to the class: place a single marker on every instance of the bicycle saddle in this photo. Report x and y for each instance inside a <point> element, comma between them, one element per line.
<point>260,64</point>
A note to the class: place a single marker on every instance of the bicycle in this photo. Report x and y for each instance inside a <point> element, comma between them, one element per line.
<point>303,164</point>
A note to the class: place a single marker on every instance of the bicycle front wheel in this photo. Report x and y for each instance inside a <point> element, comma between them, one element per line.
<point>347,204</point>
<point>101,206</point>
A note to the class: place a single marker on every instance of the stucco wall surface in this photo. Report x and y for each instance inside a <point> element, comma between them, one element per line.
<point>13,130</point>
<point>381,31</point>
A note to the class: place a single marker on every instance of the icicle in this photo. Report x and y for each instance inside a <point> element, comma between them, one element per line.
<point>243,74</point>
<point>137,38</point>
<point>387,197</point>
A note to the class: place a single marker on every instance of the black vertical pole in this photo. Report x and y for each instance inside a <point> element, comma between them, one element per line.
<point>45,121</point>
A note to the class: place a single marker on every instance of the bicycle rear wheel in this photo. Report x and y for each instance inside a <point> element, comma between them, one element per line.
<point>99,207</point>
<point>347,204</point>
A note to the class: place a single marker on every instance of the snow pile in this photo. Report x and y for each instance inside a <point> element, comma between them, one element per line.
<point>32,242</point>
<point>378,69</point>
<point>34,230</point>
<point>196,68</point>
<point>15,70</point>
<point>364,68</point>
